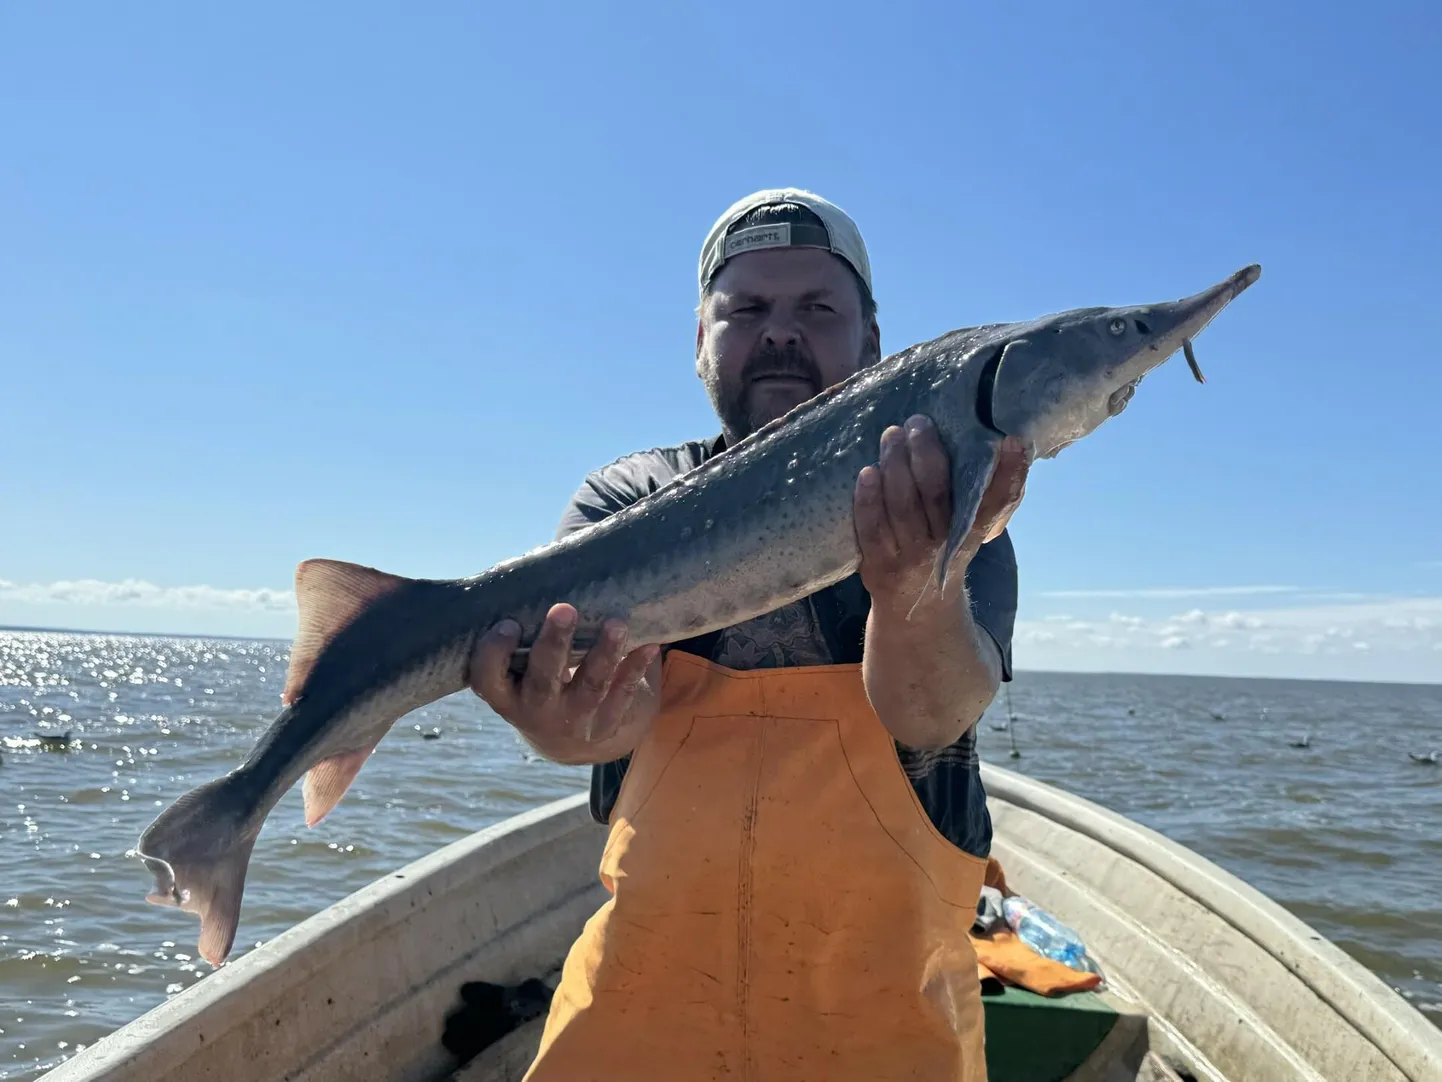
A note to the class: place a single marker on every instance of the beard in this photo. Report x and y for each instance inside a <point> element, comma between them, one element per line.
<point>741,410</point>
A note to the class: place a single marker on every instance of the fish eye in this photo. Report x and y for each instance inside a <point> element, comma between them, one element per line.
<point>1117,326</point>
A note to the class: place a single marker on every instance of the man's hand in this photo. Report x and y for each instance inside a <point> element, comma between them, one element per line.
<point>903,511</point>
<point>594,715</point>
<point>929,671</point>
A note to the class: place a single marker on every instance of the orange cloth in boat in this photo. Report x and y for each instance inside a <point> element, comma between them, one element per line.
<point>782,907</point>
<point>1004,957</point>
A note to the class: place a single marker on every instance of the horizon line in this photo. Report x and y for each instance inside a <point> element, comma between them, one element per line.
<point>1040,671</point>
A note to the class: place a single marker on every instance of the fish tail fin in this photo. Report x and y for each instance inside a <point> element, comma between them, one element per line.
<point>199,849</point>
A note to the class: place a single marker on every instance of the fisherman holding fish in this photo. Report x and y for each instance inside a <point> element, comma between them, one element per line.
<point>798,831</point>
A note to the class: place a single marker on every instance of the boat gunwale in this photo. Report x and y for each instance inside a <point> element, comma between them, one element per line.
<point>524,831</point>
<point>1369,1004</point>
<point>1364,1000</point>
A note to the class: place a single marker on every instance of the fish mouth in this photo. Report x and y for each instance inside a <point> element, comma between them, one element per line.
<point>1120,397</point>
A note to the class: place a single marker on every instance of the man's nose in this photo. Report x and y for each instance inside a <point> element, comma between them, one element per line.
<point>781,329</point>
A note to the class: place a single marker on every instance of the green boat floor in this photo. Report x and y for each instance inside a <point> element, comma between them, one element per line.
<point>1032,1038</point>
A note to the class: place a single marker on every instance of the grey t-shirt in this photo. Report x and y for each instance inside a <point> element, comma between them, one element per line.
<point>826,628</point>
<point>787,637</point>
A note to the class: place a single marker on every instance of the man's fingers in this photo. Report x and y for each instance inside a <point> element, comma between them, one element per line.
<point>873,531</point>
<point>624,686</point>
<point>898,487</point>
<point>931,467</point>
<point>593,678</point>
<point>633,668</point>
<point>550,656</point>
<point>490,662</point>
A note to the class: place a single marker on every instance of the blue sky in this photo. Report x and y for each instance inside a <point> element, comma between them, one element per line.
<point>277,283</point>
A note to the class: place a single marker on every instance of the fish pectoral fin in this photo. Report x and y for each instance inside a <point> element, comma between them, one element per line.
<point>971,468</point>
<point>328,780</point>
<point>329,595</point>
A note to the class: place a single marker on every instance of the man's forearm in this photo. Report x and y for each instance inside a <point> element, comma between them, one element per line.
<point>930,674</point>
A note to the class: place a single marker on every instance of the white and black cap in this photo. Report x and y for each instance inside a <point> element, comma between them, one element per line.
<point>836,233</point>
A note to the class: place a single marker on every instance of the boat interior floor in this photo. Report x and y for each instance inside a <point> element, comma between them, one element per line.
<point>1083,1037</point>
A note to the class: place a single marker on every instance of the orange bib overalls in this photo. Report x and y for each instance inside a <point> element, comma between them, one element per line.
<point>782,906</point>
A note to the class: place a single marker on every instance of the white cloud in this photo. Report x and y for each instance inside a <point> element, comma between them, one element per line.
<point>1173,592</point>
<point>138,593</point>
<point>1370,638</point>
<point>1389,638</point>
<point>1237,620</point>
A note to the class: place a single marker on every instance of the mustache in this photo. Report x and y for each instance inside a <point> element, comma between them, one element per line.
<point>790,360</point>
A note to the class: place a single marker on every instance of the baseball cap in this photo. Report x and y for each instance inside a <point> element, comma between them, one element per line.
<point>837,233</point>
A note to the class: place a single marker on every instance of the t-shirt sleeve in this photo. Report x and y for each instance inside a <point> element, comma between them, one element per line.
<point>603,493</point>
<point>991,581</point>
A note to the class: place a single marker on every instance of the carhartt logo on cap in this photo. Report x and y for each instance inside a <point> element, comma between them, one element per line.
<point>758,236</point>
<point>833,231</point>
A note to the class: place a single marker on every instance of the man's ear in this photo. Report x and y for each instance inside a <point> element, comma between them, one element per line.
<point>873,343</point>
<point>700,336</point>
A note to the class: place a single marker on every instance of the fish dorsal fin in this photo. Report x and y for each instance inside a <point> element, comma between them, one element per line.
<point>329,595</point>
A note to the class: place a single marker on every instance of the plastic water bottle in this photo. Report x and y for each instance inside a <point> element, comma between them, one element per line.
<point>1044,934</point>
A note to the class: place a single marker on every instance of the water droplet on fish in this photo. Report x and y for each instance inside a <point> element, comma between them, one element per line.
<point>685,532</point>
<point>793,463</point>
<point>710,522</point>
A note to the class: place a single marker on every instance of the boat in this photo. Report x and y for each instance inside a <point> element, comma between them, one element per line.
<point>1207,980</point>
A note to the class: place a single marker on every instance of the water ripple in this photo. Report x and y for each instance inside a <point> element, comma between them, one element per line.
<point>1344,833</point>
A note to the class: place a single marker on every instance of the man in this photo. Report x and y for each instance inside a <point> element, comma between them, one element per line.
<point>798,828</point>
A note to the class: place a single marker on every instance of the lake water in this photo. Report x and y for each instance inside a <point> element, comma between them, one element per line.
<point>1346,833</point>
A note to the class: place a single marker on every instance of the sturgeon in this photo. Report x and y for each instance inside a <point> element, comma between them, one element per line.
<point>764,523</point>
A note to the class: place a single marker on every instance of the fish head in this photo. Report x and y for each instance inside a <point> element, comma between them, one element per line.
<point>1056,379</point>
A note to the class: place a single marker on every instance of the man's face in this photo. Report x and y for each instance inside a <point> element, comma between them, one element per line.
<point>779,326</point>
